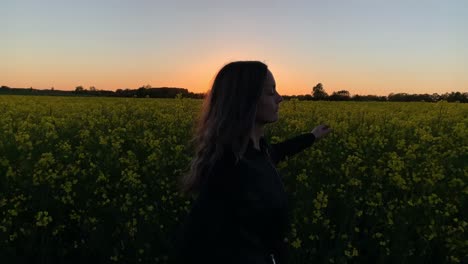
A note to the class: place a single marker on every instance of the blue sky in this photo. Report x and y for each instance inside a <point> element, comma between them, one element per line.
<point>365,47</point>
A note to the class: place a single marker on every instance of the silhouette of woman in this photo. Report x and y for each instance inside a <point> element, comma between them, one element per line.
<point>240,210</point>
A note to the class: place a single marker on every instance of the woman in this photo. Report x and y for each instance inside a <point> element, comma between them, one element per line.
<point>240,214</point>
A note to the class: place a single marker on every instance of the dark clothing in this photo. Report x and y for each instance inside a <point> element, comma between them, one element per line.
<point>241,214</point>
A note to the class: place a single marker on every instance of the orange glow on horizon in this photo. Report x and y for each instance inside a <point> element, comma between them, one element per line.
<point>197,76</point>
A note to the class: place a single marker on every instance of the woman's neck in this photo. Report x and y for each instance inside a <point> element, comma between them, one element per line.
<point>256,134</point>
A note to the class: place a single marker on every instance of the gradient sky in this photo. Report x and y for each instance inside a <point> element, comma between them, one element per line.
<point>365,47</point>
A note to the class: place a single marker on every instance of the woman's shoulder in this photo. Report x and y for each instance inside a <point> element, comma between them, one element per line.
<point>227,160</point>
<point>225,172</point>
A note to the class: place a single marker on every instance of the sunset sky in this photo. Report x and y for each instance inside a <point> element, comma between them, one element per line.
<point>366,47</point>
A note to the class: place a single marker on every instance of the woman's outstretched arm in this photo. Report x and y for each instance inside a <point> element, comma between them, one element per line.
<point>298,143</point>
<point>291,146</point>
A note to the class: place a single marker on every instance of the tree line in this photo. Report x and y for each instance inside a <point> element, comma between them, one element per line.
<point>318,93</point>
<point>145,91</point>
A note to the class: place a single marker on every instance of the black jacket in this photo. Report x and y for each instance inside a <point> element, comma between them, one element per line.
<point>241,214</point>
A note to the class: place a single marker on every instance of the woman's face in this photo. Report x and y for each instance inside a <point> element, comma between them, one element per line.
<point>268,105</point>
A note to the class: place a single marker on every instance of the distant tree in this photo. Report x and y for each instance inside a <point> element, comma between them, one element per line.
<point>142,91</point>
<point>457,97</point>
<point>342,95</point>
<point>435,97</point>
<point>443,97</point>
<point>92,88</point>
<point>368,98</point>
<point>405,97</point>
<point>425,97</point>
<point>465,97</point>
<point>305,97</point>
<point>79,89</point>
<point>318,92</point>
<point>398,97</point>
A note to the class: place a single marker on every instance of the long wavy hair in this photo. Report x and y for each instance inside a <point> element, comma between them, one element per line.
<point>226,120</point>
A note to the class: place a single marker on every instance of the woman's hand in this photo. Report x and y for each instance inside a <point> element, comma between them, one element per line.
<point>321,131</point>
